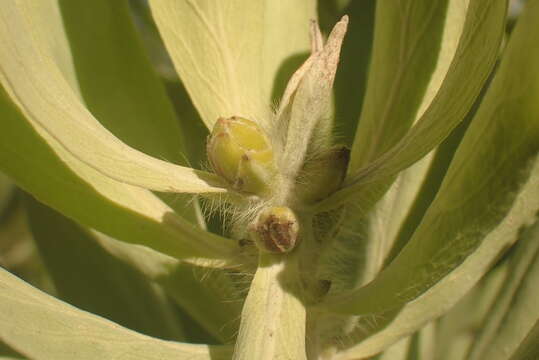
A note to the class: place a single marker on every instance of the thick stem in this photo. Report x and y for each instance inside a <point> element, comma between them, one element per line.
<point>273,318</point>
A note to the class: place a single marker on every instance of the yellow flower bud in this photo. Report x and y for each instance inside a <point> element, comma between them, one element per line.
<point>324,175</point>
<point>240,152</point>
<point>275,230</point>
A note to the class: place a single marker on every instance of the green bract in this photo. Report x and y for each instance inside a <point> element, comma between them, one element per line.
<point>269,180</point>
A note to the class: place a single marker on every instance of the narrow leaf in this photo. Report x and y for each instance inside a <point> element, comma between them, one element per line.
<point>34,82</point>
<point>354,64</point>
<point>515,312</point>
<point>120,87</point>
<point>470,221</point>
<point>86,264</point>
<point>42,327</point>
<point>83,272</point>
<point>529,348</point>
<point>407,50</point>
<point>37,163</point>
<point>473,61</point>
<point>453,335</point>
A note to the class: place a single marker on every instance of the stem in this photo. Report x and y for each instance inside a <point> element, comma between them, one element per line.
<point>273,317</point>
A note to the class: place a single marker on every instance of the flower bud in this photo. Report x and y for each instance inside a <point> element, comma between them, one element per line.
<point>240,152</point>
<point>275,230</point>
<point>324,175</point>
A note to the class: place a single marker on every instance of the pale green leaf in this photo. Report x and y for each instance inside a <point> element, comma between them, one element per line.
<point>42,167</point>
<point>228,54</point>
<point>397,351</point>
<point>49,32</point>
<point>529,348</point>
<point>38,162</point>
<point>414,43</point>
<point>422,344</point>
<point>86,264</point>
<point>476,53</point>
<point>430,184</point>
<point>87,276</point>
<point>455,330</point>
<point>273,317</point>
<point>42,327</point>
<point>515,312</point>
<point>36,85</point>
<point>119,86</point>
<point>490,191</point>
<point>6,353</point>
<point>380,226</point>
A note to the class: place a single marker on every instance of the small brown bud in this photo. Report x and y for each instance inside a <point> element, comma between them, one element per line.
<point>275,230</point>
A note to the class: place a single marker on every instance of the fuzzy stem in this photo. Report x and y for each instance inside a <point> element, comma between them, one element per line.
<point>273,317</point>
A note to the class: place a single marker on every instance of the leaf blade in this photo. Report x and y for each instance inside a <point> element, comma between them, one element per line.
<point>484,29</point>
<point>466,211</point>
<point>407,51</point>
<point>42,167</point>
<point>37,86</point>
<point>60,331</point>
<point>229,62</point>
<point>82,280</point>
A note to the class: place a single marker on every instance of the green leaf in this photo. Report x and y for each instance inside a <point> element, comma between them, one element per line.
<point>354,65</point>
<point>6,353</point>
<point>228,53</point>
<point>476,53</point>
<point>529,348</point>
<point>6,192</point>
<point>125,96</point>
<point>132,275</point>
<point>453,335</point>
<point>40,163</point>
<point>375,231</point>
<point>490,191</point>
<point>35,84</point>
<point>430,184</point>
<point>87,276</point>
<point>119,86</point>
<point>397,351</point>
<point>407,52</point>
<point>515,312</point>
<point>273,317</point>
<point>42,167</point>
<point>42,327</point>
<point>209,296</point>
